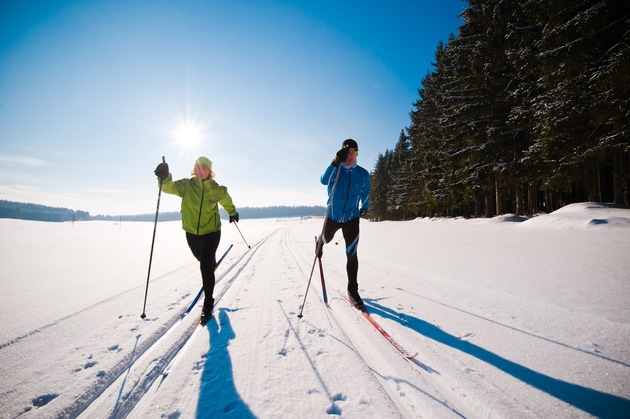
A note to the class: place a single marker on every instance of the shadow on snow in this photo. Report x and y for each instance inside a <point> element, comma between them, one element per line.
<point>589,400</point>
<point>218,396</point>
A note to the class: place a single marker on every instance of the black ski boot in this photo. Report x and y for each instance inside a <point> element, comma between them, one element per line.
<point>355,299</point>
<point>206,314</point>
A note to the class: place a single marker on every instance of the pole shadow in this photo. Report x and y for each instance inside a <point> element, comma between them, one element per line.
<point>333,409</point>
<point>122,387</point>
<point>218,396</point>
<point>595,402</point>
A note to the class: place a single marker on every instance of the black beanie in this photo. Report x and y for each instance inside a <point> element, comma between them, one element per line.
<point>350,143</point>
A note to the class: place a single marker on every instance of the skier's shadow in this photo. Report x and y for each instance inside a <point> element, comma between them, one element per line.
<point>218,396</point>
<point>592,401</point>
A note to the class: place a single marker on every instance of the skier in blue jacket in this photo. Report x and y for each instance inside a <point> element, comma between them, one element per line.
<point>349,202</point>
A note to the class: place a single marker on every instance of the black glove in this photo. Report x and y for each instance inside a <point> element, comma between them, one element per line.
<point>234,218</point>
<point>363,212</point>
<point>161,170</point>
<point>340,157</point>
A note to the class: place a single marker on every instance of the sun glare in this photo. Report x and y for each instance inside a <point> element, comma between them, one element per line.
<point>188,135</point>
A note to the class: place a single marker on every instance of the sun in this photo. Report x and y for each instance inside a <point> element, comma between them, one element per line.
<point>188,135</point>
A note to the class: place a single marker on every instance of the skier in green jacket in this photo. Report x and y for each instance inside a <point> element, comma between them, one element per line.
<point>200,218</point>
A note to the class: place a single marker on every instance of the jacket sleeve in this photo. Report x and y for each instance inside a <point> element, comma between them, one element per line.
<point>226,202</point>
<point>174,188</point>
<point>325,179</point>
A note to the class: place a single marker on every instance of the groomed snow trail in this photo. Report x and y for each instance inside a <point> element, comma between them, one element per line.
<point>331,361</point>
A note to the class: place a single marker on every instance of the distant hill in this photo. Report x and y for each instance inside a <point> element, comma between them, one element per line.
<point>36,212</point>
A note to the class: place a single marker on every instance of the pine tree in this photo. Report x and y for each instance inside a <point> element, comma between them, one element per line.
<point>378,189</point>
<point>428,163</point>
<point>398,192</point>
<point>522,49</point>
<point>609,85</point>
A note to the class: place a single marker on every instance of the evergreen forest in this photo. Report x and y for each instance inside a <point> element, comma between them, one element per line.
<point>526,110</point>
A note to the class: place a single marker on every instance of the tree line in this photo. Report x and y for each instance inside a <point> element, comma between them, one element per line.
<point>36,212</point>
<point>245,213</point>
<point>526,110</point>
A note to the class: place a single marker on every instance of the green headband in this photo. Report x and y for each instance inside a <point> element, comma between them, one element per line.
<point>204,160</point>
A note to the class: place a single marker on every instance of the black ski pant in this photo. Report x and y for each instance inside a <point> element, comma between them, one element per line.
<point>204,248</point>
<point>350,232</point>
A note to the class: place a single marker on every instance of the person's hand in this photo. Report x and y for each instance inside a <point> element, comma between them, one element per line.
<point>340,157</point>
<point>234,218</point>
<point>319,248</point>
<point>161,170</point>
<point>363,212</point>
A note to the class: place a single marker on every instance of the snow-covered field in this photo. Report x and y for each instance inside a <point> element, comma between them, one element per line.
<point>509,318</point>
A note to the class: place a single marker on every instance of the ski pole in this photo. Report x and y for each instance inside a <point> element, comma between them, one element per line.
<point>321,274</point>
<point>157,210</point>
<point>239,230</point>
<point>320,241</point>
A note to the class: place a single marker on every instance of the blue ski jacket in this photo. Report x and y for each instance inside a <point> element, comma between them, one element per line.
<point>352,193</point>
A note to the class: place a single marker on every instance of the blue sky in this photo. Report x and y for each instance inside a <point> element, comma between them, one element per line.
<point>94,93</point>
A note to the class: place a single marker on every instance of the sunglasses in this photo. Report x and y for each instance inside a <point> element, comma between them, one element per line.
<point>352,152</point>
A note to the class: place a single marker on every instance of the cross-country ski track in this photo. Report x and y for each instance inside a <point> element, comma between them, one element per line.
<point>207,365</point>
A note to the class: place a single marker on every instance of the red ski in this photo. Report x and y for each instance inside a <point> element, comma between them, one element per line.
<point>380,329</point>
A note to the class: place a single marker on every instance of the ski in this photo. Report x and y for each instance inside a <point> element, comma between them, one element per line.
<point>380,329</point>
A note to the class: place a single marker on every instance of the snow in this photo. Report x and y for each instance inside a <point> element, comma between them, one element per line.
<point>510,317</point>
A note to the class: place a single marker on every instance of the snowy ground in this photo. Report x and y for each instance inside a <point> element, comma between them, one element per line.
<point>508,319</point>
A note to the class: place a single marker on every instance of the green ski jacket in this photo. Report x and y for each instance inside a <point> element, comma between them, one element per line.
<point>200,212</point>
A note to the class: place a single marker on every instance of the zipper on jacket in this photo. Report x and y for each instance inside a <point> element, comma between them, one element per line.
<point>203,189</point>
<point>343,211</point>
